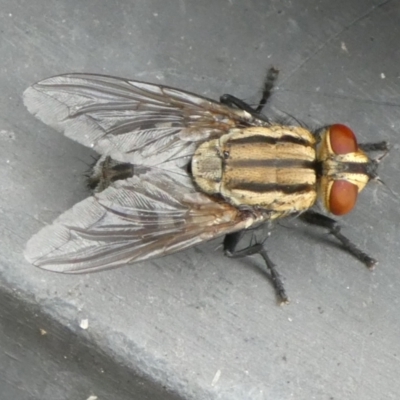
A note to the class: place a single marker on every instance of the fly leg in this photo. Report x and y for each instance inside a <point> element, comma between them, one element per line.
<point>378,146</point>
<point>230,243</point>
<point>233,101</point>
<point>334,229</point>
<point>269,82</point>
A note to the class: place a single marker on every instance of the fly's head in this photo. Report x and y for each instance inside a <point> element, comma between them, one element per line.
<point>344,168</point>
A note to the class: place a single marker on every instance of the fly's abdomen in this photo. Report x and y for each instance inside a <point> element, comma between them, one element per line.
<point>269,167</point>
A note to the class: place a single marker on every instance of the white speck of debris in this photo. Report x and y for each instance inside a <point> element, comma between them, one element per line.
<point>290,319</point>
<point>383,76</point>
<point>343,47</point>
<point>43,331</point>
<point>84,324</point>
<point>92,398</point>
<point>155,14</point>
<point>10,15</point>
<point>216,378</point>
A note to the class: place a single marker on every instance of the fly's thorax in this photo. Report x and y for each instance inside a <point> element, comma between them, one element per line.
<point>343,168</point>
<point>267,167</point>
<point>207,166</point>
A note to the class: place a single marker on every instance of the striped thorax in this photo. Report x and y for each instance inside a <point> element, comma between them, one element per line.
<point>283,169</point>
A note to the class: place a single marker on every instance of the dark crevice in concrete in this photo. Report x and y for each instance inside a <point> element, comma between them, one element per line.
<point>41,359</point>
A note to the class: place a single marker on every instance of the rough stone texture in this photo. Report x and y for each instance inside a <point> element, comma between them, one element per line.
<point>197,325</point>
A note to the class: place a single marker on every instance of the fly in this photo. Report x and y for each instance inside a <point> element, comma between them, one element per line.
<point>177,169</point>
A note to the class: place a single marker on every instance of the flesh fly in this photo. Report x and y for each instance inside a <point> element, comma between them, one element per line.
<point>177,169</point>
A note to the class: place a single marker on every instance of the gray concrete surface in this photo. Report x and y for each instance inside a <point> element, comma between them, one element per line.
<point>197,325</point>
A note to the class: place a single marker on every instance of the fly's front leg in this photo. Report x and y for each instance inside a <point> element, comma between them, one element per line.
<point>378,146</point>
<point>334,228</point>
<point>230,243</point>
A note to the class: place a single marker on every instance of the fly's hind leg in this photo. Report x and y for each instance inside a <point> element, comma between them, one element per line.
<point>334,229</point>
<point>269,82</point>
<point>230,243</point>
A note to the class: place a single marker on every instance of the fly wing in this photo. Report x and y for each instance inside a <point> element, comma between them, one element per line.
<point>132,121</point>
<point>143,217</point>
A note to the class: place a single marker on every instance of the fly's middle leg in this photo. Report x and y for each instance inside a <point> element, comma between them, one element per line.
<point>269,82</point>
<point>230,243</point>
<point>233,101</point>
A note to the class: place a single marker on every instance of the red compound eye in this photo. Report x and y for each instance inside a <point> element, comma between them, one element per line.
<point>342,197</point>
<point>342,139</point>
